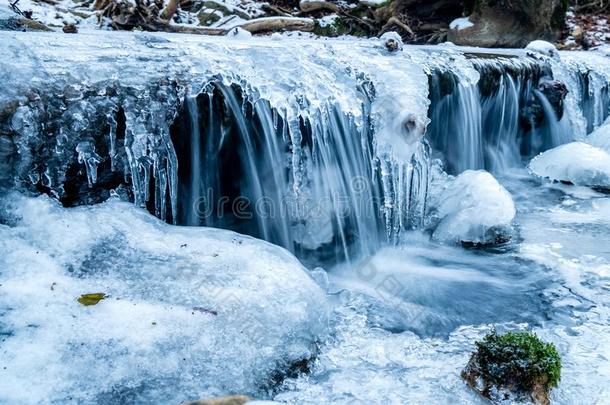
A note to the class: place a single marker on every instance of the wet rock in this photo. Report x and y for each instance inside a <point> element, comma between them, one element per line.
<point>516,366</point>
<point>532,114</point>
<point>555,92</point>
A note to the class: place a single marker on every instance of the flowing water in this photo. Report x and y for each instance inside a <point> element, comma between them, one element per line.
<point>331,149</point>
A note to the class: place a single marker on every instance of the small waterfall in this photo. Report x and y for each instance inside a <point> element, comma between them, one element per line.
<point>325,152</point>
<point>492,123</point>
<point>327,196</point>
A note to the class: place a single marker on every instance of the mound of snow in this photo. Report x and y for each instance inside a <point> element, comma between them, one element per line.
<point>189,312</point>
<point>474,208</point>
<point>600,138</point>
<point>576,162</point>
<point>542,47</point>
<point>461,23</point>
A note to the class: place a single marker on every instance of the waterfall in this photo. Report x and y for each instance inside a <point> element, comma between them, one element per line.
<point>239,168</point>
<point>326,151</point>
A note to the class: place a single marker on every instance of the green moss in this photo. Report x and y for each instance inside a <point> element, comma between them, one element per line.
<point>520,359</point>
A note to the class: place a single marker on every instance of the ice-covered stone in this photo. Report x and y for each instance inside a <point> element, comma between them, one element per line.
<point>186,313</point>
<point>576,162</point>
<point>600,138</point>
<point>391,41</point>
<point>542,47</point>
<point>474,208</point>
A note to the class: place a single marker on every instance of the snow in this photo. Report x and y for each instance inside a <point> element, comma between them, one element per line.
<point>373,3</point>
<point>191,312</point>
<point>461,23</point>
<point>474,208</point>
<point>239,33</point>
<point>576,162</point>
<point>600,138</point>
<point>542,47</point>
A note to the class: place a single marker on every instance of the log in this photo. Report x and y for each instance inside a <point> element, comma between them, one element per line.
<point>309,6</point>
<point>277,24</point>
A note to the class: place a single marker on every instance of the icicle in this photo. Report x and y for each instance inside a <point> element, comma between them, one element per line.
<point>88,157</point>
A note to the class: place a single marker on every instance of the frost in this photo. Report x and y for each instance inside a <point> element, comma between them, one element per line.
<point>187,312</point>
<point>576,163</point>
<point>474,208</point>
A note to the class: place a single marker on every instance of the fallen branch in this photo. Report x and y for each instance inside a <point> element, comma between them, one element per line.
<point>395,21</point>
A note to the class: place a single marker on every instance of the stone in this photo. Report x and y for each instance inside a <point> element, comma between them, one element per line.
<point>516,366</point>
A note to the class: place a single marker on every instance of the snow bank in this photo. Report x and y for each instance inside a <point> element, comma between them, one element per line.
<point>542,47</point>
<point>474,208</point>
<point>190,312</point>
<point>576,162</point>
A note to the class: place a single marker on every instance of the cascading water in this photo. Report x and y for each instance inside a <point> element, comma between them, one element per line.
<point>327,160</point>
<point>492,122</point>
<point>330,195</point>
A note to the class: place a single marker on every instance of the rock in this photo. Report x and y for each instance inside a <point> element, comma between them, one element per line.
<point>511,24</point>
<point>204,310</point>
<point>541,47</point>
<point>574,163</point>
<point>532,113</point>
<point>555,92</point>
<point>474,209</point>
<point>516,366</point>
<point>70,29</point>
<point>230,400</point>
<point>391,41</point>
<point>577,32</point>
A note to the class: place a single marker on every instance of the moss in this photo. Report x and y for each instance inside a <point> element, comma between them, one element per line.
<point>518,359</point>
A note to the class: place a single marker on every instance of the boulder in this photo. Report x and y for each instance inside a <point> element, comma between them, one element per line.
<point>474,209</point>
<point>574,163</point>
<point>511,24</point>
<point>107,304</point>
<point>516,366</point>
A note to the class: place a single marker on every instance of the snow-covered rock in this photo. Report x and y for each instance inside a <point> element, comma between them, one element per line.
<point>576,162</point>
<point>542,47</point>
<point>600,138</point>
<point>474,208</point>
<point>188,312</point>
<point>391,41</point>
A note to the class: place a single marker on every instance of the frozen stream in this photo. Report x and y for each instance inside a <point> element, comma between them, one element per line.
<point>405,325</point>
<point>135,182</point>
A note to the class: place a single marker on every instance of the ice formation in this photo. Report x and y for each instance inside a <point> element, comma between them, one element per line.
<point>190,313</point>
<point>474,208</point>
<point>461,23</point>
<point>345,120</point>
<point>576,163</point>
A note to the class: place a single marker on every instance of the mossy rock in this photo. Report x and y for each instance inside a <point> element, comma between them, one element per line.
<point>517,366</point>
